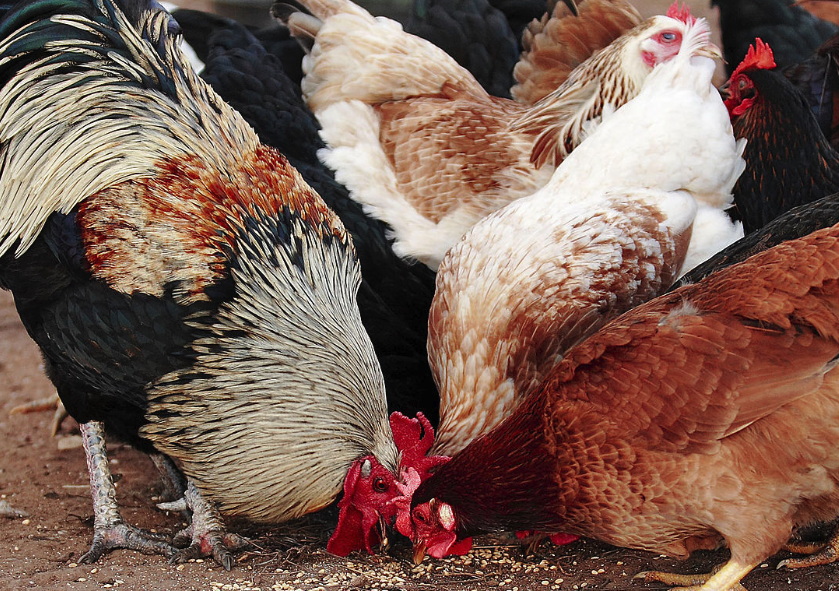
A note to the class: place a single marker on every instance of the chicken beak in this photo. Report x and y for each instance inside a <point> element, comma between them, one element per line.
<point>710,50</point>
<point>419,551</point>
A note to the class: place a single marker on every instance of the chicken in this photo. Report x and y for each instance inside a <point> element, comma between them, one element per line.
<point>420,143</point>
<point>559,42</point>
<point>826,10</point>
<point>395,296</point>
<point>706,416</point>
<point>188,290</point>
<point>789,162</point>
<point>794,33</point>
<point>527,282</point>
<point>489,42</point>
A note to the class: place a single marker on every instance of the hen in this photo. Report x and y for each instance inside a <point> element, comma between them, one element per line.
<point>706,416</point>
<point>186,287</point>
<point>789,162</point>
<point>418,141</point>
<point>609,231</point>
<point>475,34</point>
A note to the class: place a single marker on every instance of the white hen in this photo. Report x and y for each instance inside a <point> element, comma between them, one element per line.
<point>608,232</point>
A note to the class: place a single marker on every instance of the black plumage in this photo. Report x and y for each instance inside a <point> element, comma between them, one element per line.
<point>796,223</point>
<point>789,162</point>
<point>792,32</point>
<point>477,35</point>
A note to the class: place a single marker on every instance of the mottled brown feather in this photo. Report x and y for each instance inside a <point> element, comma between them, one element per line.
<point>439,146</point>
<point>194,216</point>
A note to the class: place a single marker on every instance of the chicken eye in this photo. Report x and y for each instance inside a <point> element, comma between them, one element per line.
<point>741,84</point>
<point>379,484</point>
<point>668,37</point>
<point>419,517</point>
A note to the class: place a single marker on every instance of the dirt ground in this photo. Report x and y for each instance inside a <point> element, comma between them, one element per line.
<point>45,479</point>
<point>44,490</point>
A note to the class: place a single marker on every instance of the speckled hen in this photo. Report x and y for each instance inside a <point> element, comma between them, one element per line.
<point>187,288</point>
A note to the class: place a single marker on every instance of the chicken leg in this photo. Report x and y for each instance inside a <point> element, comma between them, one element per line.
<point>724,578</point>
<point>820,553</point>
<point>206,534</point>
<point>109,529</point>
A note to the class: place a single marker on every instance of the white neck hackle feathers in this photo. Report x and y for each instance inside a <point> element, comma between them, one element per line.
<point>283,397</point>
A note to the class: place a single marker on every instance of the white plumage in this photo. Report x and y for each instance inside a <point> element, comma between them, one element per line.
<point>609,231</point>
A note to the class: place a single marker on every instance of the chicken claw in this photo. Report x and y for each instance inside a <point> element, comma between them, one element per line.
<point>722,578</point>
<point>52,403</point>
<point>206,534</point>
<point>109,530</point>
<point>820,553</point>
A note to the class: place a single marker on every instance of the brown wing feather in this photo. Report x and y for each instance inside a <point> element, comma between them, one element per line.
<point>559,42</point>
<point>687,370</point>
<point>450,151</point>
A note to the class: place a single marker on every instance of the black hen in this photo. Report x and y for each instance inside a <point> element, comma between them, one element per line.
<point>789,162</point>
<point>478,36</point>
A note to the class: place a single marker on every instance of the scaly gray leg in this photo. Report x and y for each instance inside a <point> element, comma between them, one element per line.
<point>173,479</point>
<point>206,535</point>
<point>109,530</point>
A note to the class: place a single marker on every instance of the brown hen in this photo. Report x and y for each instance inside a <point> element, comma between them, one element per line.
<point>707,416</point>
<point>559,42</point>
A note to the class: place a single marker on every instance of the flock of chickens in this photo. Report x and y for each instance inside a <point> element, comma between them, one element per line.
<point>562,284</point>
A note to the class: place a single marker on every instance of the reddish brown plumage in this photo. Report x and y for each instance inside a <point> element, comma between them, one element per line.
<point>705,415</point>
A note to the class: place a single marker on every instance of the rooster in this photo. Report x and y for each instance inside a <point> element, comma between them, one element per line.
<point>395,295</point>
<point>706,416</point>
<point>418,141</point>
<point>188,290</point>
<point>609,231</point>
<point>789,162</point>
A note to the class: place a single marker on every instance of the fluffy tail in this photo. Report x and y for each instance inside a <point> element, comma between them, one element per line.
<point>354,56</point>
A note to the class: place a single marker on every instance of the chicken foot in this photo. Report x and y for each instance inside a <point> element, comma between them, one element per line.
<point>819,552</point>
<point>173,479</point>
<point>109,530</point>
<point>52,403</point>
<point>724,578</point>
<point>206,534</point>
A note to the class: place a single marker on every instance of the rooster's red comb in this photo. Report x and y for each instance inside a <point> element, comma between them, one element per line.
<point>758,57</point>
<point>683,14</point>
<point>413,438</point>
